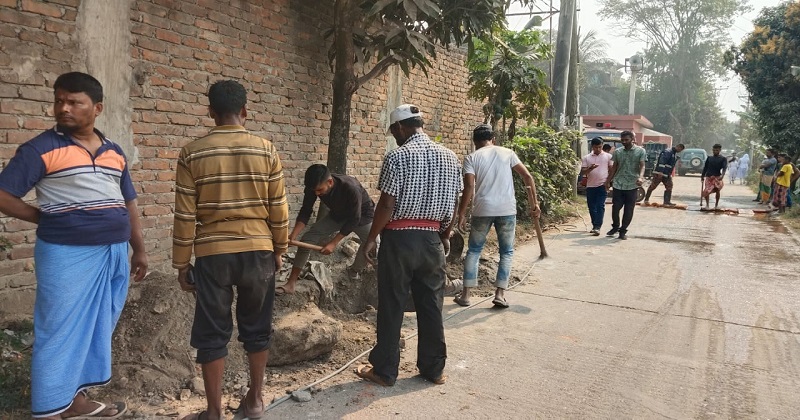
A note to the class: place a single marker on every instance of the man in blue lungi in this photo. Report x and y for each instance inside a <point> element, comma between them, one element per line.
<point>86,217</point>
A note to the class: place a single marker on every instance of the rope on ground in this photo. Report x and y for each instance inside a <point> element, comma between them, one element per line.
<point>355,359</point>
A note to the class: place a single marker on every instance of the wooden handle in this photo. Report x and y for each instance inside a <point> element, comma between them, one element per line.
<point>305,245</point>
<point>536,225</point>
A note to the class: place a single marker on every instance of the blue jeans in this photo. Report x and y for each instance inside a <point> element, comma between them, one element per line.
<point>596,200</point>
<point>505,227</point>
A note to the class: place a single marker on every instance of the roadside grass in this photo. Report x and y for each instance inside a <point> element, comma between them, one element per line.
<point>16,342</point>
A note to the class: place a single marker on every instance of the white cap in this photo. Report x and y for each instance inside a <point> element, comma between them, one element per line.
<point>404,112</point>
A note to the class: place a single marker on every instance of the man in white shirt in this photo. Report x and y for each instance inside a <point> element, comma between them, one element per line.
<point>488,177</point>
<point>595,167</point>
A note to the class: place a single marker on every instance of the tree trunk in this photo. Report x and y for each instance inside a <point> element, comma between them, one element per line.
<point>344,84</point>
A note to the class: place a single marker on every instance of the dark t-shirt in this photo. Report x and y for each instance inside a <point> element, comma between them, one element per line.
<point>348,202</point>
<point>715,165</point>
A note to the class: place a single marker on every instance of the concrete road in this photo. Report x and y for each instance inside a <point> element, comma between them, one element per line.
<point>696,315</point>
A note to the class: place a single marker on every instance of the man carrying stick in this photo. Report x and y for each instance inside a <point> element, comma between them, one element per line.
<point>488,178</point>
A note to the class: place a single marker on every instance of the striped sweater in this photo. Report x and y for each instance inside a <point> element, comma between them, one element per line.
<point>229,196</point>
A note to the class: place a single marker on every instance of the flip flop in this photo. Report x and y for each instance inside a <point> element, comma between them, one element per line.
<point>460,301</point>
<point>251,415</point>
<point>120,406</point>
<point>499,302</point>
<point>196,416</point>
<point>280,291</point>
<point>368,373</point>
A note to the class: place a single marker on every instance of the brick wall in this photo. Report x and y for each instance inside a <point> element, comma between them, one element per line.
<point>178,48</point>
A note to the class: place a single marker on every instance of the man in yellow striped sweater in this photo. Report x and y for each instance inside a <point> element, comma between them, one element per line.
<point>230,207</point>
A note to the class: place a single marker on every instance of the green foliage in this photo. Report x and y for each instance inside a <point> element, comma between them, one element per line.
<point>763,62</point>
<point>15,373</point>
<point>550,159</point>
<point>504,73</point>
<point>5,244</point>
<point>684,56</point>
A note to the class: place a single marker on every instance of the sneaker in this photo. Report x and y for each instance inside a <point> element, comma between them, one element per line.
<point>612,232</point>
<point>595,232</point>
<point>668,205</point>
<point>622,236</point>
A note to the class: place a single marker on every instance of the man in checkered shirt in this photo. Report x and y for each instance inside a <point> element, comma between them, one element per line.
<point>420,182</point>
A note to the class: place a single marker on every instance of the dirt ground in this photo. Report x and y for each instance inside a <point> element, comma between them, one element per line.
<point>154,365</point>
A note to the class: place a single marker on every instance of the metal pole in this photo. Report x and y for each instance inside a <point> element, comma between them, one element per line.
<point>561,70</point>
<point>632,94</point>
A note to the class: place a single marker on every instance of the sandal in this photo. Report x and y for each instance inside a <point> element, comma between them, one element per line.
<point>248,414</point>
<point>281,290</point>
<point>196,416</point>
<point>368,373</point>
<point>460,301</point>
<point>121,408</point>
<point>500,302</point>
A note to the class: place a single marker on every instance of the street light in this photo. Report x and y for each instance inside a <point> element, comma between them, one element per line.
<point>636,64</point>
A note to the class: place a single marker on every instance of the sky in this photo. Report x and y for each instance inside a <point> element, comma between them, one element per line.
<point>731,94</point>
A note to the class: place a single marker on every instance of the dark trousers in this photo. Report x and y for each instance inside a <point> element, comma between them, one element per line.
<point>410,261</point>
<point>620,199</point>
<point>253,274</point>
<point>596,200</point>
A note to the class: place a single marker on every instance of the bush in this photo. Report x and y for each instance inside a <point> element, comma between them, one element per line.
<point>549,157</point>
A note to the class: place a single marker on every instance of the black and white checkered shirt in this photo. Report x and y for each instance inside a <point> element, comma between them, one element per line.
<point>425,179</point>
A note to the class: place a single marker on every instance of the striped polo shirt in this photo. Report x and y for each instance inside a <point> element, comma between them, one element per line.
<point>81,197</point>
<point>229,196</point>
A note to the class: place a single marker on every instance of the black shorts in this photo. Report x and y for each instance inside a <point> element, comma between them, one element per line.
<point>253,274</point>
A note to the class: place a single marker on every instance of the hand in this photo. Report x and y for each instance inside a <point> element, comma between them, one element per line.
<point>608,187</point>
<point>293,236</point>
<point>592,166</point>
<point>462,223</point>
<point>328,249</point>
<point>278,260</point>
<point>639,181</point>
<point>445,238</point>
<point>183,279</point>
<point>139,266</point>
<point>369,251</point>
<point>536,212</point>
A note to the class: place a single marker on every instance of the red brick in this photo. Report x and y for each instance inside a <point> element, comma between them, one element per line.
<point>151,44</point>
<point>57,26</point>
<point>21,252</point>
<point>11,267</point>
<point>19,137</point>
<point>17,18</point>
<point>70,3</point>
<point>167,106</point>
<point>168,36</point>
<point>154,117</point>
<point>9,121</point>
<point>156,210</point>
<point>8,3</point>
<point>38,124</point>
<point>157,164</point>
<point>40,94</point>
<point>42,8</point>
<point>183,119</point>
<point>142,128</point>
<point>156,187</point>
<point>20,107</point>
<point>16,225</point>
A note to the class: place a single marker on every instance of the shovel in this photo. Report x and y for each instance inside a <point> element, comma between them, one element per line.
<point>456,245</point>
<point>305,245</point>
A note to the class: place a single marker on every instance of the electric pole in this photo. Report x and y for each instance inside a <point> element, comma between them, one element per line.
<point>561,66</point>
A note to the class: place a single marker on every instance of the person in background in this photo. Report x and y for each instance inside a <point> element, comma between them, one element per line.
<point>662,173</point>
<point>744,168</point>
<point>713,175</point>
<point>595,166</point>
<point>627,175</point>
<point>768,167</point>
<point>782,182</point>
<point>733,168</point>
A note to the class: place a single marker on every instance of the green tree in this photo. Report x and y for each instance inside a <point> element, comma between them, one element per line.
<point>763,62</point>
<point>686,41</point>
<point>504,73</point>
<point>375,34</point>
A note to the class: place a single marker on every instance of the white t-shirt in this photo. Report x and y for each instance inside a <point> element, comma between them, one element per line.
<point>494,183</point>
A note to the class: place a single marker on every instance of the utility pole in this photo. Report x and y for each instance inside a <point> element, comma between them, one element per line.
<point>572,107</point>
<point>561,67</point>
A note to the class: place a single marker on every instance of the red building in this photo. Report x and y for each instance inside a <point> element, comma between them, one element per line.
<point>611,125</point>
